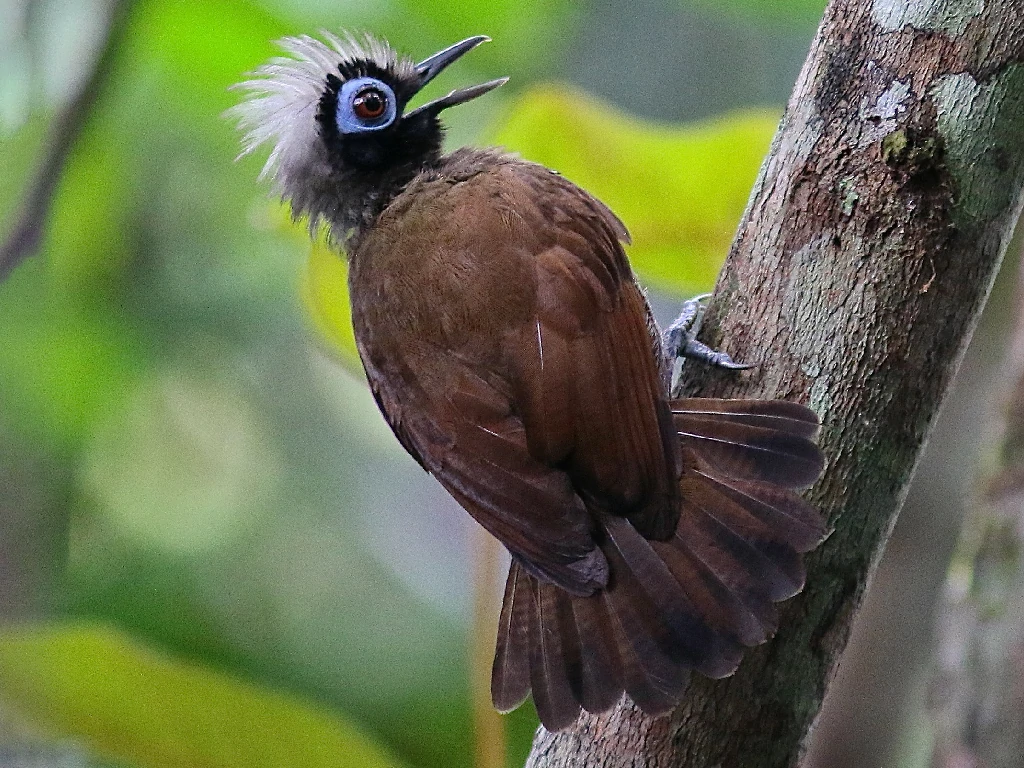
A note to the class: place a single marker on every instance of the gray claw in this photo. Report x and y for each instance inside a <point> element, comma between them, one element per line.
<point>681,339</point>
<point>696,350</point>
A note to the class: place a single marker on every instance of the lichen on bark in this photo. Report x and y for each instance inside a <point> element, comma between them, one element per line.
<point>985,172</point>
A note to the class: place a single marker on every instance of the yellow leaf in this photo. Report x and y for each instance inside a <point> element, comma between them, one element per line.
<point>325,297</point>
<point>124,701</point>
<point>679,189</point>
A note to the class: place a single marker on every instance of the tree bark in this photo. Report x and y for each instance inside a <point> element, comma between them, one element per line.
<point>866,253</point>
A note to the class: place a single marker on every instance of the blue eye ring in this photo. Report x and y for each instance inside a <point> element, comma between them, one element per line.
<point>360,100</point>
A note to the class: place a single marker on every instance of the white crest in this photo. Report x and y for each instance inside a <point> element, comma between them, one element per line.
<point>283,98</point>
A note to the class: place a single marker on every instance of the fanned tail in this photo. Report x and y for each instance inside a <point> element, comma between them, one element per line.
<point>691,602</point>
<point>765,440</point>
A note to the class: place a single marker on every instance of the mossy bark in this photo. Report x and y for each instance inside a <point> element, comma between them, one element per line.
<point>866,253</point>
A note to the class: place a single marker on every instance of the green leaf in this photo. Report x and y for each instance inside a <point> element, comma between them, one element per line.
<point>124,701</point>
<point>679,190</point>
<point>185,463</point>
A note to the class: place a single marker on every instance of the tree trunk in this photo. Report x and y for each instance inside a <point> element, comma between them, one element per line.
<point>869,246</point>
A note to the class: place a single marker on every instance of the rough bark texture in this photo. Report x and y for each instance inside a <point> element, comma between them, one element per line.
<point>978,693</point>
<point>867,251</point>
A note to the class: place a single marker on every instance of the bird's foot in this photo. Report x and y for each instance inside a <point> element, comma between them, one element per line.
<point>681,339</point>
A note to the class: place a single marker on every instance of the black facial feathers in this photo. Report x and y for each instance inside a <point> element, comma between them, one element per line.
<point>413,143</point>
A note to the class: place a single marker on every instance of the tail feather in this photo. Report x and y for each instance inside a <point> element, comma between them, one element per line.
<point>553,646</point>
<point>722,609</point>
<point>770,575</point>
<point>691,602</point>
<point>601,682</point>
<point>643,677</point>
<point>760,446</point>
<point>672,620</point>
<point>740,583</point>
<point>779,415</point>
<point>657,678</point>
<point>781,513</point>
<point>510,674</point>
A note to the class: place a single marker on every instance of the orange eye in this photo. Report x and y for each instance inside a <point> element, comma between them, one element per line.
<point>369,104</point>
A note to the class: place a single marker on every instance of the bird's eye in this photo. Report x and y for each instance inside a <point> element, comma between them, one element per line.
<point>365,104</point>
<point>369,104</point>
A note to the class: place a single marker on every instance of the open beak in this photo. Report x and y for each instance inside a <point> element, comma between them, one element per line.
<point>431,67</point>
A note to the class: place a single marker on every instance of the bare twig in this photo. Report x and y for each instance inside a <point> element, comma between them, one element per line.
<point>488,726</point>
<point>27,233</point>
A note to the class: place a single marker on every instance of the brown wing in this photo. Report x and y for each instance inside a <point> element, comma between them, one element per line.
<point>524,379</point>
<point>588,385</point>
<point>466,434</point>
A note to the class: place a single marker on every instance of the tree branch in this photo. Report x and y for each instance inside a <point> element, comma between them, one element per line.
<point>868,248</point>
<point>979,674</point>
<point>25,236</point>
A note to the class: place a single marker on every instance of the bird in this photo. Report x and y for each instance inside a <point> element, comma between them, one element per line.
<point>514,355</point>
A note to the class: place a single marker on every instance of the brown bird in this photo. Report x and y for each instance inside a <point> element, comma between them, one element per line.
<point>511,350</point>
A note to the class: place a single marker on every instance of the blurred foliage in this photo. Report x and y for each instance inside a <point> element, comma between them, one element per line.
<point>225,493</point>
<point>325,296</point>
<point>135,705</point>
<point>779,11</point>
<point>680,191</point>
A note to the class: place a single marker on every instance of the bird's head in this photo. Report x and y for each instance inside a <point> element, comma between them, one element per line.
<point>335,113</point>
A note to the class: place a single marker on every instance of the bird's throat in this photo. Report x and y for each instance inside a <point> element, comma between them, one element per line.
<point>358,197</point>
